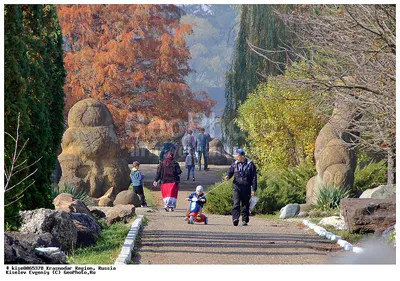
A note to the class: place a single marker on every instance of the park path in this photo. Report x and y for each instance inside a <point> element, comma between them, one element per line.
<point>168,239</point>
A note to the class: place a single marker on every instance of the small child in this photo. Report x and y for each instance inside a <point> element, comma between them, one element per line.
<point>190,161</point>
<point>137,182</point>
<point>199,194</point>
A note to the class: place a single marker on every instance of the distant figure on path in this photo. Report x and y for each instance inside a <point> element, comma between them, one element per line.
<point>202,147</point>
<point>168,172</point>
<point>244,185</point>
<point>190,163</point>
<point>137,182</point>
<point>167,146</point>
<point>188,142</point>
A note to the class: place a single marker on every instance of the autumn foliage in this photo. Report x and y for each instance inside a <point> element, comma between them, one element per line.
<point>134,59</point>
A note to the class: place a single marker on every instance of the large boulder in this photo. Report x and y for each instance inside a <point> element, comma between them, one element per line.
<point>217,154</point>
<point>120,213</point>
<point>90,158</point>
<point>19,248</point>
<point>380,192</point>
<point>289,211</point>
<point>56,222</point>
<point>85,237</point>
<point>368,215</point>
<point>70,204</point>
<point>127,197</point>
<point>87,221</point>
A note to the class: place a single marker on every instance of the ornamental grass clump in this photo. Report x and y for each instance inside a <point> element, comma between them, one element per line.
<point>328,197</point>
<point>71,189</point>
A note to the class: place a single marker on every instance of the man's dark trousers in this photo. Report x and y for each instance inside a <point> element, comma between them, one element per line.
<point>241,194</point>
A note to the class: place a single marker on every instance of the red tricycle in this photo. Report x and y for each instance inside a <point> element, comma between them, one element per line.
<point>195,212</point>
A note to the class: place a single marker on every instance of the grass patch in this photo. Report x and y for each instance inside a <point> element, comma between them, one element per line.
<point>107,248</point>
<point>150,200</point>
<point>268,216</point>
<point>345,234</point>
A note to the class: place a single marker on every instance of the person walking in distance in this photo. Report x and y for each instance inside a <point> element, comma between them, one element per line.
<point>202,144</point>
<point>190,163</point>
<point>244,174</point>
<point>188,142</point>
<point>167,146</point>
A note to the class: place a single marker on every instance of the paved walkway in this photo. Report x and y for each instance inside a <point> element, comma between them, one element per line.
<point>168,239</point>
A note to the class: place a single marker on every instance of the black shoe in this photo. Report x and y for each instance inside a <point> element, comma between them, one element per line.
<point>235,222</point>
<point>193,179</point>
<point>244,223</point>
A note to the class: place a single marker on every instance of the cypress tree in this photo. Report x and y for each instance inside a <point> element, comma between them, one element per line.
<point>34,86</point>
<point>39,130</point>
<point>16,72</point>
<point>54,67</point>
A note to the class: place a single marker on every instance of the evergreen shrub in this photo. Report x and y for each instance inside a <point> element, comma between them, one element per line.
<point>370,176</point>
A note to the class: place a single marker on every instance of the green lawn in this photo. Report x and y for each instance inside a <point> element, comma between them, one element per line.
<point>107,248</point>
<point>109,243</point>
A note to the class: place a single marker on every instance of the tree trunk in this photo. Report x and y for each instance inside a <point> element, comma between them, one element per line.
<point>391,166</point>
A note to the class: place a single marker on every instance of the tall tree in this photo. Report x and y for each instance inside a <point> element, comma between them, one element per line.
<point>258,26</point>
<point>15,82</point>
<point>35,77</point>
<point>134,59</point>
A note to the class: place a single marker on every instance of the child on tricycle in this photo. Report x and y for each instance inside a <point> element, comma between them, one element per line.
<point>197,200</point>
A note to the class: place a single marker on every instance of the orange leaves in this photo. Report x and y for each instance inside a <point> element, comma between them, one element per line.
<point>131,57</point>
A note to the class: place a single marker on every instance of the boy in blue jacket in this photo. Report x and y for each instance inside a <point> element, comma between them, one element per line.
<point>137,182</point>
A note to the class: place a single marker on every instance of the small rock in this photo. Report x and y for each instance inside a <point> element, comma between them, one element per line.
<point>302,214</point>
<point>334,221</point>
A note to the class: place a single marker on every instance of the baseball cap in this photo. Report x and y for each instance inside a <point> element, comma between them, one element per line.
<point>240,151</point>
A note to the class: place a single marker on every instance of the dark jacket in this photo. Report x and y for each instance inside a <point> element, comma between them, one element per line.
<point>202,196</point>
<point>245,174</point>
<point>167,147</point>
<point>170,173</point>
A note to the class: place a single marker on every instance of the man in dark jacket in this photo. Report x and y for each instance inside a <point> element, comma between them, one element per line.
<point>244,185</point>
